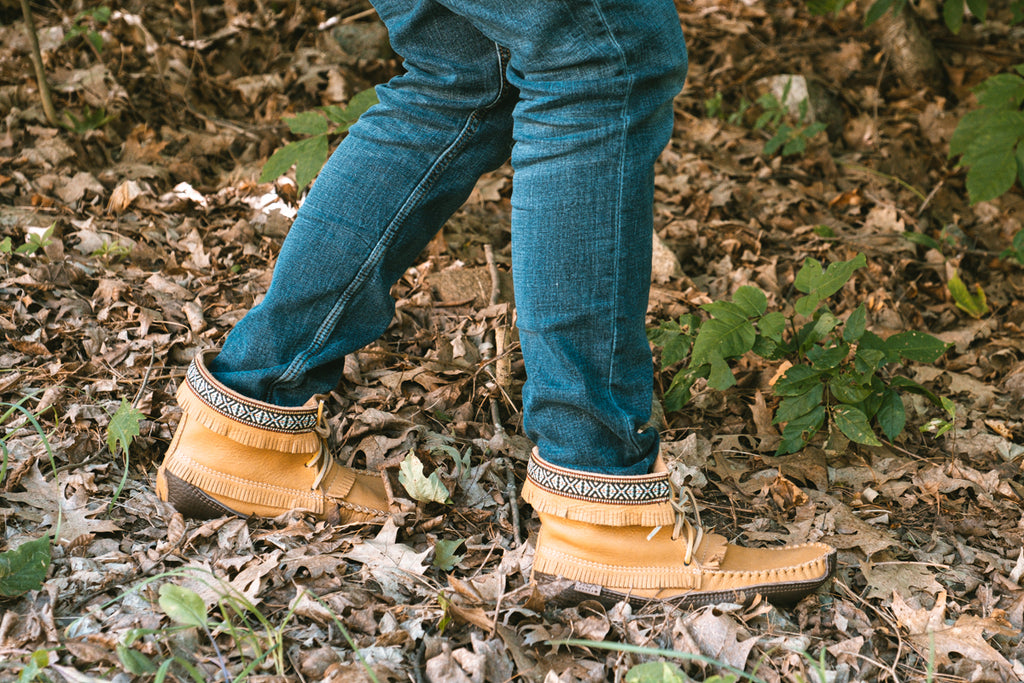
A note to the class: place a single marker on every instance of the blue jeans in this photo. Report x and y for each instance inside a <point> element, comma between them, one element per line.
<point>580,93</point>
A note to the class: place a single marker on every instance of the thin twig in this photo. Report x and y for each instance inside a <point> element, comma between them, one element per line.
<point>359,15</point>
<point>511,495</point>
<point>37,62</point>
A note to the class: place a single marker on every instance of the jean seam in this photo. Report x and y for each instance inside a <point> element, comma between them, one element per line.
<point>299,365</point>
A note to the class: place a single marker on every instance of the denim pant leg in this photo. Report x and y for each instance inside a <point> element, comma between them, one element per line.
<point>596,80</point>
<point>402,170</point>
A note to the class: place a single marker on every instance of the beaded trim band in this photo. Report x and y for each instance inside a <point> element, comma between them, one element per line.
<point>248,412</point>
<point>599,488</point>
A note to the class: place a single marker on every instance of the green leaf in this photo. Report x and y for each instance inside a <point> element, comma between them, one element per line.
<point>445,558</point>
<point>828,358</point>
<point>796,381</point>
<point>308,123</point>
<point>356,107</point>
<point>419,486</point>
<point>953,14</point>
<point>891,416</point>
<point>726,336</point>
<point>854,424</point>
<point>800,431</point>
<point>901,382</point>
<point>773,325</point>
<point>751,299</point>
<point>876,11</point>
<point>24,568</point>
<point>979,8</point>
<point>123,427</point>
<point>310,164</point>
<point>922,239</point>
<point>656,672</point>
<point>856,324</point>
<point>678,393</point>
<point>308,156</point>
<point>819,285</point>
<point>816,331</point>
<point>183,605</point>
<point>134,661</point>
<point>918,346</point>
<point>792,407</point>
<point>1002,91</point>
<point>974,305</point>
<point>847,389</point>
<point>721,376</point>
<point>990,174</point>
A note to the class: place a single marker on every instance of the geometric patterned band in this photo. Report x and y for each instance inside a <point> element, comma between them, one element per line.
<point>643,489</point>
<point>252,413</point>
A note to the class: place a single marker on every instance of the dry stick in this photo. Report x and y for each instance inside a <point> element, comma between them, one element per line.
<point>37,62</point>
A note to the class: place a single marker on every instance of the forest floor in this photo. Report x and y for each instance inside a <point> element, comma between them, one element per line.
<point>163,237</point>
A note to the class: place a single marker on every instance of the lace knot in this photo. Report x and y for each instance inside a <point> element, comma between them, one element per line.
<point>324,459</point>
<point>682,501</point>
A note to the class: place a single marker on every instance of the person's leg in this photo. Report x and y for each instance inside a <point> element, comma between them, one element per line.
<point>596,81</point>
<point>249,438</point>
<point>402,170</point>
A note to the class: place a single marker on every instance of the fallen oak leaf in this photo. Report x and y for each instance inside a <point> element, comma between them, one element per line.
<point>929,632</point>
<point>75,515</point>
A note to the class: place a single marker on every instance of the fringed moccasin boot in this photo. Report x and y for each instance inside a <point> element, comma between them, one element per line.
<point>628,538</point>
<point>234,455</point>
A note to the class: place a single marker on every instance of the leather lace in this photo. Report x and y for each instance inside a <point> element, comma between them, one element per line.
<point>324,459</point>
<point>683,501</point>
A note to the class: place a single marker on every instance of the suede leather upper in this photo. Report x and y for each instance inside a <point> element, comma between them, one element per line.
<point>221,455</point>
<point>594,542</point>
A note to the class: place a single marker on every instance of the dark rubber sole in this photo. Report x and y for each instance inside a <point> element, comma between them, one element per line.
<point>193,502</point>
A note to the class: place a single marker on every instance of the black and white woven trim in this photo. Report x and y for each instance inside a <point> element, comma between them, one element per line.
<point>644,489</point>
<point>249,413</point>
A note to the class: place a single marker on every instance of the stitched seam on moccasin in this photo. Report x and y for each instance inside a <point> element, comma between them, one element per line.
<point>249,482</point>
<point>572,559</point>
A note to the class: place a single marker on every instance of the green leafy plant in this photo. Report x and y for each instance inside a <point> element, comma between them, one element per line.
<point>84,25</point>
<point>111,251</point>
<point>121,431</point>
<point>790,138</point>
<point>953,11</point>
<point>33,669</point>
<point>319,126</point>
<point>974,304</point>
<point>238,622</point>
<point>990,139</point>
<point>24,568</point>
<point>34,241</point>
<point>91,119</point>
<point>715,108</point>
<point>839,373</point>
<point>1016,248</point>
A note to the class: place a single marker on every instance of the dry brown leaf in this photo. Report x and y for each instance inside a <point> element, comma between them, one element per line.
<point>74,515</point>
<point>929,632</point>
<point>904,578</point>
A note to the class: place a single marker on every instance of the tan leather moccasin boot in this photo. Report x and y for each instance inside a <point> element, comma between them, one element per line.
<point>627,538</point>
<point>234,455</point>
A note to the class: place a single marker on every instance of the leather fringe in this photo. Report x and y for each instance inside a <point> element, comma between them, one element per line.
<point>602,514</point>
<point>230,490</point>
<point>285,442</point>
<point>617,578</point>
<point>338,482</point>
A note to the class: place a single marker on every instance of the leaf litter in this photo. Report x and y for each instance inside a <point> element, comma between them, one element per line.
<point>163,238</point>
